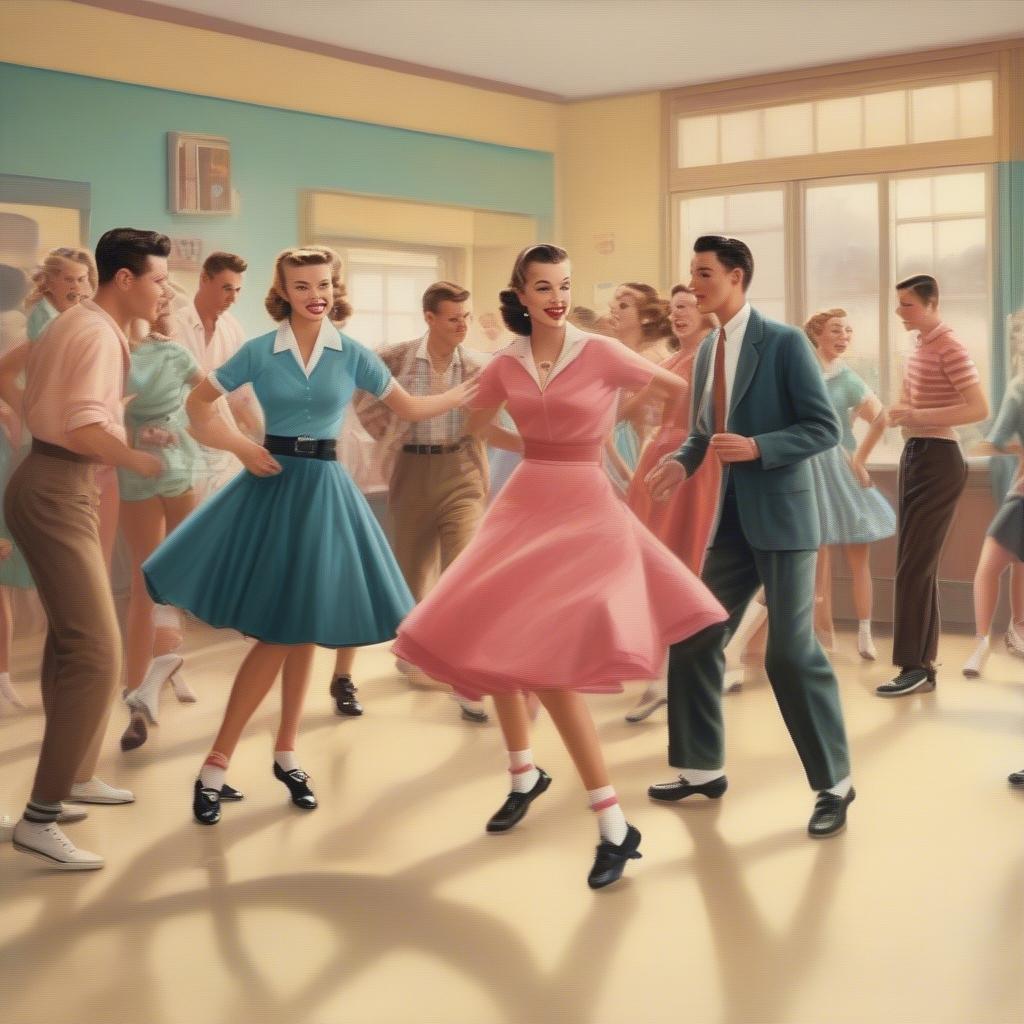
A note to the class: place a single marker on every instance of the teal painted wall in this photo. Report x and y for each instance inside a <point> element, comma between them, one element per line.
<point>113,136</point>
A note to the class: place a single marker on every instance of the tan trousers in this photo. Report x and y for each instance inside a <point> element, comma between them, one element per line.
<point>435,504</point>
<point>51,506</point>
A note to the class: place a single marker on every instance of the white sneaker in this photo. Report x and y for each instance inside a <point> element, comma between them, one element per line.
<point>866,647</point>
<point>1014,641</point>
<point>49,844</point>
<point>8,695</point>
<point>975,664</point>
<point>69,815</point>
<point>96,791</point>
<point>654,697</point>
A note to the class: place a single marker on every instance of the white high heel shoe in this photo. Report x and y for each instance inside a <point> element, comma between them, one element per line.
<point>184,692</point>
<point>146,697</point>
<point>975,664</point>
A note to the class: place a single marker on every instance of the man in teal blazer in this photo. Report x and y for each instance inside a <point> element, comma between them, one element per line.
<point>763,414</point>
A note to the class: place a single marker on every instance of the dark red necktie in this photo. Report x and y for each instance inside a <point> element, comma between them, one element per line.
<point>718,388</point>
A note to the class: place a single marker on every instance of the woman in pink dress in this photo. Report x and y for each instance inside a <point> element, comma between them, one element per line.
<point>563,591</point>
<point>684,521</point>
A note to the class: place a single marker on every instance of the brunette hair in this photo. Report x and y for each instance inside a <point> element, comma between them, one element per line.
<point>443,291</point>
<point>924,286</point>
<point>128,249</point>
<point>513,312</point>
<point>307,256</point>
<point>218,261</point>
<point>816,324</point>
<point>53,263</point>
<point>652,310</point>
<point>731,252</point>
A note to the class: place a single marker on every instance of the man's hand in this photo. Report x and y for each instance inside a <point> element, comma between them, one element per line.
<point>663,479</point>
<point>735,448</point>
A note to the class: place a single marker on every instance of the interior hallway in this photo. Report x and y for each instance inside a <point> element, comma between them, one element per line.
<point>390,905</point>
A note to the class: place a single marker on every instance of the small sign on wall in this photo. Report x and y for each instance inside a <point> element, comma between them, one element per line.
<point>186,254</point>
<point>604,244</point>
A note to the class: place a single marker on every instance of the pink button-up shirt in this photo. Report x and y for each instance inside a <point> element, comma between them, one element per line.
<point>75,376</point>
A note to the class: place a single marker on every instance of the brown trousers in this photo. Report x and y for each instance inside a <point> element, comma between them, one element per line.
<point>51,506</point>
<point>435,504</point>
<point>932,477</point>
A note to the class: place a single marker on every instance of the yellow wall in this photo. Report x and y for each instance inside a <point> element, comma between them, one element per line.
<point>65,36</point>
<point>610,184</point>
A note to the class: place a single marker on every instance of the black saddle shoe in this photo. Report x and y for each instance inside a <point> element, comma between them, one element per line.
<point>297,782</point>
<point>1016,778</point>
<point>230,793</point>
<point>910,680</point>
<point>205,804</point>
<point>610,860</point>
<point>680,789</point>
<point>343,690</point>
<point>829,815</point>
<point>514,809</point>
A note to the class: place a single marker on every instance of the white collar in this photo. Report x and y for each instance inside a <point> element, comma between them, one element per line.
<point>737,326</point>
<point>423,352</point>
<point>329,337</point>
<point>575,342</point>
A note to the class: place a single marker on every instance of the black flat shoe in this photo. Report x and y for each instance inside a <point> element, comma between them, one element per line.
<point>1016,778</point>
<point>343,690</point>
<point>610,860</point>
<point>514,809</point>
<point>230,793</point>
<point>205,804</point>
<point>297,782</point>
<point>680,789</point>
<point>910,680</point>
<point>829,815</point>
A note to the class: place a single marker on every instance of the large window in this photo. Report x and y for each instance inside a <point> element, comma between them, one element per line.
<point>848,241</point>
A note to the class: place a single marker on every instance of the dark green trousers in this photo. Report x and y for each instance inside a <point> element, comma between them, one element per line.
<point>801,676</point>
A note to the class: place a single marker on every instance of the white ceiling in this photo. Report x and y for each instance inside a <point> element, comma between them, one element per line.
<point>574,49</point>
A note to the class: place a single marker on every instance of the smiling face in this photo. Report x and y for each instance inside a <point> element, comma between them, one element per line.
<point>684,315</point>
<point>141,295</point>
<point>309,291</point>
<point>68,285</point>
<point>547,293</point>
<point>715,285</point>
<point>834,338</point>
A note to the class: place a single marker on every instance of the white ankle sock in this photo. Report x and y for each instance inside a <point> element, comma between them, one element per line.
<point>983,640</point>
<point>212,777</point>
<point>864,627</point>
<point>523,771</point>
<point>698,776</point>
<point>842,787</point>
<point>286,760</point>
<point>611,822</point>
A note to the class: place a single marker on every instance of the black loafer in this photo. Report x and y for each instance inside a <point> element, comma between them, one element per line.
<point>610,860</point>
<point>297,782</point>
<point>230,793</point>
<point>829,815</point>
<point>910,680</point>
<point>343,690</point>
<point>681,789</point>
<point>514,809</point>
<point>205,804</point>
<point>1016,778</point>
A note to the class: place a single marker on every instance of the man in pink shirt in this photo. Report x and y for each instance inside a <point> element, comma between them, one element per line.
<point>73,407</point>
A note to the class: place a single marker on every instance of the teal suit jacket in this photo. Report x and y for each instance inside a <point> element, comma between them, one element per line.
<point>779,399</point>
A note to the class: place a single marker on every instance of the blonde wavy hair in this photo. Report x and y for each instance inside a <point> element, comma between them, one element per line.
<point>307,256</point>
<point>53,264</point>
<point>816,324</point>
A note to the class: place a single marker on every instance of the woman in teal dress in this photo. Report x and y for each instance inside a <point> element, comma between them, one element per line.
<point>161,375</point>
<point>289,553</point>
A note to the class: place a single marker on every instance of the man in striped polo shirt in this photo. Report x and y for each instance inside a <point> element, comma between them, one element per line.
<point>941,390</point>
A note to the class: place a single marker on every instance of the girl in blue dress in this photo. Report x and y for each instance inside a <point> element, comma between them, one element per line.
<point>289,552</point>
<point>853,513</point>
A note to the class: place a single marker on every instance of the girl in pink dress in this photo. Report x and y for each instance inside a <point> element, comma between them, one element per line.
<point>563,591</point>
<point>684,521</point>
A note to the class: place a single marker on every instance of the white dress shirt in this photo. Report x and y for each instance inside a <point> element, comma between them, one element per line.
<point>735,330</point>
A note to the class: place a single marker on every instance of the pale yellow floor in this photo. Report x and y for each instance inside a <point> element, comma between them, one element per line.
<point>390,904</point>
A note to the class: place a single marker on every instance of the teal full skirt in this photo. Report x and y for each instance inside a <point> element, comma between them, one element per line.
<point>296,558</point>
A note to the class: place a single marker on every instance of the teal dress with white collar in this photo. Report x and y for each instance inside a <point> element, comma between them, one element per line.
<point>295,558</point>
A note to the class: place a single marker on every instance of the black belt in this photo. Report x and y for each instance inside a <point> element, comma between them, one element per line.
<point>56,452</point>
<point>302,447</point>
<point>432,449</point>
